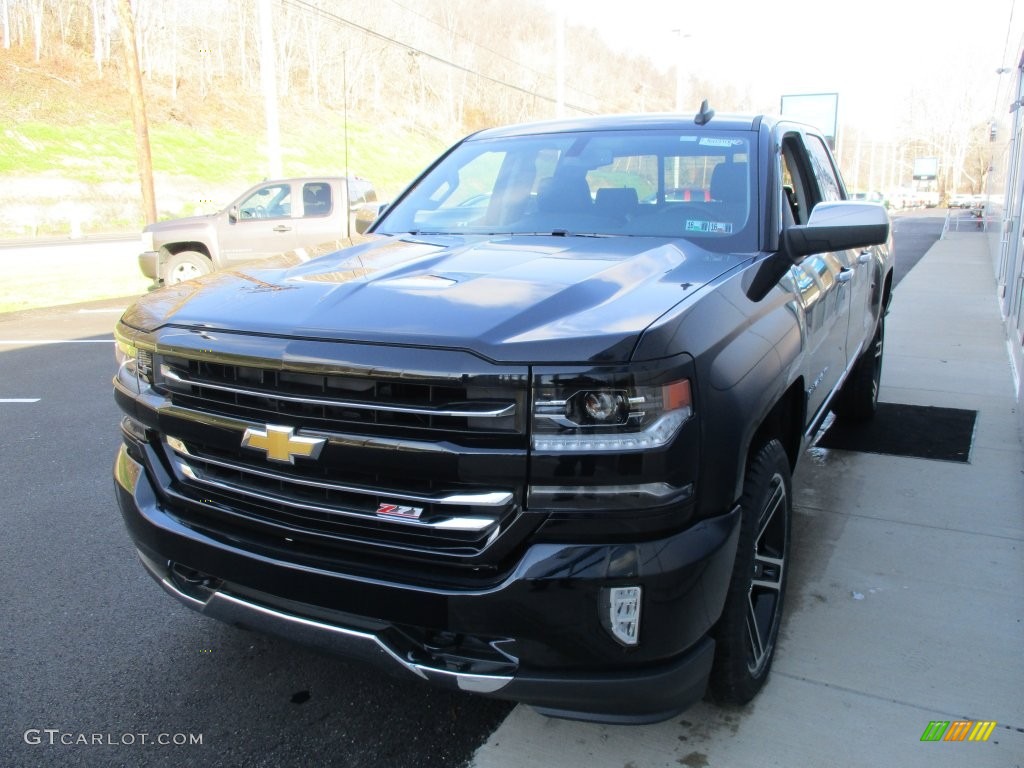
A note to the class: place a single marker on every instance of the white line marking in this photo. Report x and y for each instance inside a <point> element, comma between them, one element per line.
<point>19,399</point>
<point>31,342</point>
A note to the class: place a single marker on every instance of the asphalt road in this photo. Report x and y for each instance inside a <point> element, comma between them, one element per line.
<point>914,232</point>
<point>92,648</point>
<point>99,666</point>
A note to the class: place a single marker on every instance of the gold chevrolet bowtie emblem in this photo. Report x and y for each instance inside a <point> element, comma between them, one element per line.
<point>281,443</point>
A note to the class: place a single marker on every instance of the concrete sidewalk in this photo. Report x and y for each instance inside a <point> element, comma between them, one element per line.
<point>906,594</point>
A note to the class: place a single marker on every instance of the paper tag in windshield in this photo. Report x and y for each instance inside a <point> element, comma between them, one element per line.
<point>709,227</point>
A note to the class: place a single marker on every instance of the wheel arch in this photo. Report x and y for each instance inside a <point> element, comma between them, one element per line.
<point>886,294</point>
<point>187,245</point>
<point>783,421</point>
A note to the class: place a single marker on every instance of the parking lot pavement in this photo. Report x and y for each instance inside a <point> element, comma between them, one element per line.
<point>906,594</point>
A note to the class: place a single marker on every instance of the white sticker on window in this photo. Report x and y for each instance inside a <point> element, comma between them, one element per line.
<point>709,227</point>
<point>710,141</point>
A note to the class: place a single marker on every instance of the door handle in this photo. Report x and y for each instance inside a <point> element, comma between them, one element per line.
<point>864,258</point>
<point>845,275</point>
<point>282,228</point>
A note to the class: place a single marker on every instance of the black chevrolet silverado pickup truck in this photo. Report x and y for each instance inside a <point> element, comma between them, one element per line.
<point>533,438</point>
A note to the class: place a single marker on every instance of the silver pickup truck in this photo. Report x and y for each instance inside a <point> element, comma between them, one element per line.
<point>268,219</point>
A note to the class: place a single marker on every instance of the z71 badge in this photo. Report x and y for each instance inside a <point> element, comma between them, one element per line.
<point>399,510</point>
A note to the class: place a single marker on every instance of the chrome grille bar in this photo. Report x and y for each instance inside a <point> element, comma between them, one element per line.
<point>169,374</point>
<point>486,499</point>
<point>467,524</point>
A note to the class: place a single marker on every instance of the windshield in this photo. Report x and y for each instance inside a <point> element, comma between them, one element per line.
<point>661,183</point>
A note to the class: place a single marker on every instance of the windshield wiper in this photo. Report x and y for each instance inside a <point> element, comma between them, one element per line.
<point>555,233</point>
<point>545,233</point>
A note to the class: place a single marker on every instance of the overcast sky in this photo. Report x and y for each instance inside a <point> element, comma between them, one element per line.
<point>874,53</point>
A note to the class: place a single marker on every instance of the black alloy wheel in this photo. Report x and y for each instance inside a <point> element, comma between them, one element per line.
<point>747,632</point>
<point>858,399</point>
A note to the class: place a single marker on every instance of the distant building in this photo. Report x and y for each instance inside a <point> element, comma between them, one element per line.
<point>1006,202</point>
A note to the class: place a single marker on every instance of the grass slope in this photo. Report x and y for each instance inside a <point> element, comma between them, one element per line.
<point>67,148</point>
<point>68,166</point>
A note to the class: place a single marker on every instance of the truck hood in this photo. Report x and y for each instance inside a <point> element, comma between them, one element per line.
<point>506,298</point>
<point>187,222</point>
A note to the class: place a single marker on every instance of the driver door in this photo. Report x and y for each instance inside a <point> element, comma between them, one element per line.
<point>263,225</point>
<point>822,279</point>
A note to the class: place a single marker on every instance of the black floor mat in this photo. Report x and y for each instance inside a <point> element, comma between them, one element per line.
<point>918,431</point>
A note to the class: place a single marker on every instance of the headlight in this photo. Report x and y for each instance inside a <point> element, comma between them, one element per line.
<point>613,412</point>
<point>134,364</point>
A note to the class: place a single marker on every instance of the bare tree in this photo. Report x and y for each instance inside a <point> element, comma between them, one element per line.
<point>444,65</point>
<point>5,18</point>
<point>97,35</point>
<point>35,12</point>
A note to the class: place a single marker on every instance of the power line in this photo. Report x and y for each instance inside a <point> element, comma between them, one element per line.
<point>304,5</point>
<point>491,51</point>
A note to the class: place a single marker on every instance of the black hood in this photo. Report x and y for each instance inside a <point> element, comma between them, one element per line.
<point>506,298</point>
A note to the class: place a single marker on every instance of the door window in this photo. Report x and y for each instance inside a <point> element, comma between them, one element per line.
<point>270,202</point>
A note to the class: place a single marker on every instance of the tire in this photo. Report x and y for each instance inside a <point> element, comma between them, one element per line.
<point>857,401</point>
<point>746,634</point>
<point>185,265</point>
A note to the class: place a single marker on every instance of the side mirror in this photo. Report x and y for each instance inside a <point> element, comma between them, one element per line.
<point>832,226</point>
<point>366,214</point>
<point>837,226</point>
<point>233,214</point>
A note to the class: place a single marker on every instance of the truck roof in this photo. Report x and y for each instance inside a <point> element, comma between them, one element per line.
<point>628,122</point>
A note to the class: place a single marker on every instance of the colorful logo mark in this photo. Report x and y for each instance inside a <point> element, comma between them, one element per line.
<point>958,730</point>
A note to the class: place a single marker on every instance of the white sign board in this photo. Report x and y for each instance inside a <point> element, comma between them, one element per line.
<point>820,110</point>
<point>926,168</point>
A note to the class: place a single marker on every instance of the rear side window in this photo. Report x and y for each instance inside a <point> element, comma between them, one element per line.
<point>317,199</point>
<point>821,161</point>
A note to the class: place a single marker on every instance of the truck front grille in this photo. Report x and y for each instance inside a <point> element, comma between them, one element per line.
<point>428,464</point>
<point>351,401</point>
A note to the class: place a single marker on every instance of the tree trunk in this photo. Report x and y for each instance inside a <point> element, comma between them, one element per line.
<point>145,159</point>
<point>5,14</point>
<point>268,76</point>
<point>35,10</point>
<point>97,37</point>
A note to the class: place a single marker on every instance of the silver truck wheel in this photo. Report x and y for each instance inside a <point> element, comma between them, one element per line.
<point>185,265</point>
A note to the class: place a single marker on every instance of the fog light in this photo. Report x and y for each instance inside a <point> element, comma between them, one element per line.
<point>622,616</point>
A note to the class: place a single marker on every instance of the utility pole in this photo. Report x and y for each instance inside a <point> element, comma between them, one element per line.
<point>268,77</point>
<point>681,38</point>
<point>559,61</point>
<point>145,158</point>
